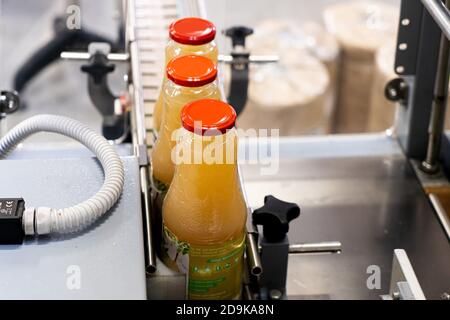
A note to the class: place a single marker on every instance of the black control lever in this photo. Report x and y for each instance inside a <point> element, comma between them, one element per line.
<point>274,217</point>
<point>239,67</point>
<point>101,96</point>
<point>64,39</point>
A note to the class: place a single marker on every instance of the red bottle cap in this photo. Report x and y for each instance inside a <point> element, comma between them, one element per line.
<point>191,71</point>
<point>213,115</point>
<point>192,31</point>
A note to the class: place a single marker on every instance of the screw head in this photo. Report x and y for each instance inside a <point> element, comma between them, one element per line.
<point>275,294</point>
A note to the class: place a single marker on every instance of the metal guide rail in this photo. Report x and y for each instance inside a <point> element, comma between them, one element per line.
<point>146,32</point>
<point>149,21</point>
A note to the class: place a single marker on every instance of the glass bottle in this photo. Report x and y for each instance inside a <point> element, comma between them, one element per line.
<point>204,212</point>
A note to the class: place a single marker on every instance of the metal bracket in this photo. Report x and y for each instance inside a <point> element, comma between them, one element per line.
<point>404,283</point>
<point>115,119</point>
<point>416,62</point>
<point>408,38</point>
<point>240,60</point>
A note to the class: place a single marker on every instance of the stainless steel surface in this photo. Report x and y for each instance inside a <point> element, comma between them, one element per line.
<point>372,204</point>
<point>440,13</point>
<point>441,213</point>
<point>404,283</point>
<point>438,111</point>
<point>321,247</point>
<point>82,56</point>
<point>107,258</point>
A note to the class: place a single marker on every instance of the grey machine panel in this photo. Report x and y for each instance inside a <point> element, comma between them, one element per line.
<point>109,257</point>
<point>372,203</point>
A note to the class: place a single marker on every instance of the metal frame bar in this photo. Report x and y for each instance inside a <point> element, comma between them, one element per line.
<point>440,14</point>
<point>418,65</point>
<point>437,121</point>
<point>412,126</point>
<point>403,276</point>
<point>425,29</point>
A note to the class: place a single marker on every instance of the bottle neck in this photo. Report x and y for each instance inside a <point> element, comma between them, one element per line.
<point>172,87</point>
<point>175,49</point>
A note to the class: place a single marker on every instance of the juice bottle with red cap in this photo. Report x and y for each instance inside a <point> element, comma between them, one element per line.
<point>190,78</point>
<point>204,213</point>
<point>188,36</point>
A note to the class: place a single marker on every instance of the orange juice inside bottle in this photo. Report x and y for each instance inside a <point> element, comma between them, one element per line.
<point>188,36</point>
<point>204,212</point>
<point>190,78</point>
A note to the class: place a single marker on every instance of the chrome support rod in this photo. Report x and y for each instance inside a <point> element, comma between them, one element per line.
<point>440,14</point>
<point>321,247</point>
<point>253,59</point>
<point>431,163</point>
<point>252,251</point>
<point>150,254</point>
<point>83,56</point>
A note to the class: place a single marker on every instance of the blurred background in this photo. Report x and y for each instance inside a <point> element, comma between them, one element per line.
<point>336,57</point>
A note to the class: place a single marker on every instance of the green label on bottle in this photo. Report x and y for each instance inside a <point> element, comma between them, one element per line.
<point>214,271</point>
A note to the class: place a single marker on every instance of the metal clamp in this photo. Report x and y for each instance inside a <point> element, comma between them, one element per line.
<point>115,118</point>
<point>239,61</point>
<point>274,217</point>
<point>268,251</point>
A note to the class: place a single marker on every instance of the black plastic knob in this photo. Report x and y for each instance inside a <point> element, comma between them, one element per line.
<point>9,101</point>
<point>396,90</point>
<point>275,216</point>
<point>238,35</point>
<point>98,67</point>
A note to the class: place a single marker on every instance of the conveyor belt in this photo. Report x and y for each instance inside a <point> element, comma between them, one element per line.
<point>151,19</point>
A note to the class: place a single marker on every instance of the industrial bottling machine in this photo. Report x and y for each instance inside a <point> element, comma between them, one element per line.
<point>346,217</point>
